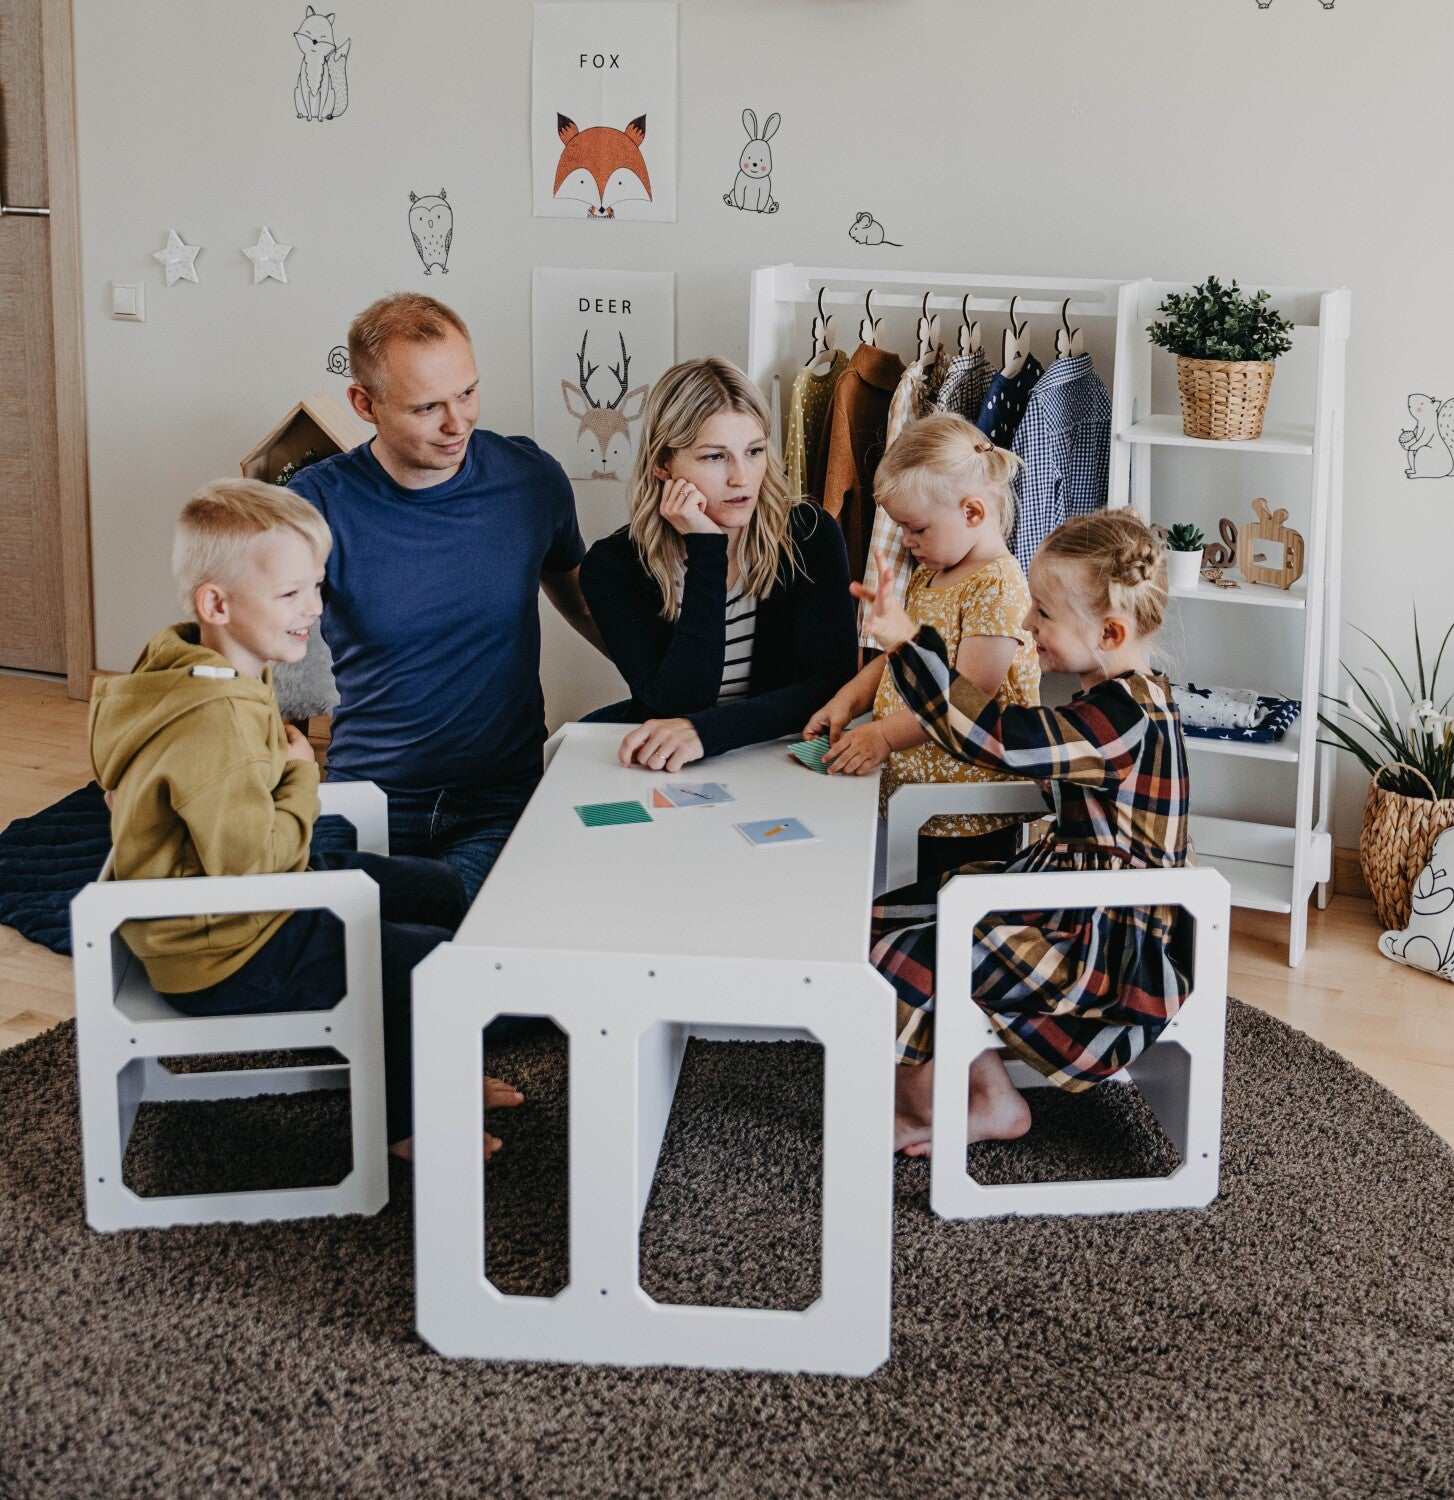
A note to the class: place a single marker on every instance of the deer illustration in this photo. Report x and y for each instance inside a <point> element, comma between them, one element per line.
<point>604,438</point>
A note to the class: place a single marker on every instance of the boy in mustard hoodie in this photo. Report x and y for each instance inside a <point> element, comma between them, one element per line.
<point>204,778</point>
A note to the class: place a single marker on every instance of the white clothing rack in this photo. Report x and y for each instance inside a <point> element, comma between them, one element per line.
<point>1271,866</point>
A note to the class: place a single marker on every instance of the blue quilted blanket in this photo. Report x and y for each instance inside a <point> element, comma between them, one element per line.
<point>46,859</point>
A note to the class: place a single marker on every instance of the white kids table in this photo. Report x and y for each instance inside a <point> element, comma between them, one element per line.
<point>633,938</point>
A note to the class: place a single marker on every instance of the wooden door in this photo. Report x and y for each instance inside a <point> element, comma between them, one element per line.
<point>32,596</point>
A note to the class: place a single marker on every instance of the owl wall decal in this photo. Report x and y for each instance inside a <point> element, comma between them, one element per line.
<point>431,223</point>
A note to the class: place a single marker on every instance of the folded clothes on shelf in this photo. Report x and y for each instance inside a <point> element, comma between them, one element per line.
<point>1218,713</point>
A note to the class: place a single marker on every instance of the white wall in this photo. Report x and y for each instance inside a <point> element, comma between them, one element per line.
<point>1169,138</point>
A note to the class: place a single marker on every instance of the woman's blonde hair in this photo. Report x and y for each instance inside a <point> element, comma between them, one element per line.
<point>945,459</point>
<point>680,402</point>
<point>223,519</point>
<point>1121,567</point>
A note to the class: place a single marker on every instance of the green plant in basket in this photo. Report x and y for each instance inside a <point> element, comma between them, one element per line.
<point>1213,321</point>
<point>1184,537</point>
<point>1425,742</point>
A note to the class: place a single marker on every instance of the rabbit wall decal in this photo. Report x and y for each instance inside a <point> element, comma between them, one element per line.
<point>752,190</point>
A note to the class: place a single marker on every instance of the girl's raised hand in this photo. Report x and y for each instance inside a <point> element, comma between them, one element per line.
<point>684,509</point>
<point>887,621</point>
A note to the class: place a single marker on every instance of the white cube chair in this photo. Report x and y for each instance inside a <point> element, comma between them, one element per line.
<point>123,1028</point>
<point>1179,1076</point>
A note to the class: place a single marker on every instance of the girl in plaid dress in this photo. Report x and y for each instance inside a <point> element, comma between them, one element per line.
<point>1076,994</point>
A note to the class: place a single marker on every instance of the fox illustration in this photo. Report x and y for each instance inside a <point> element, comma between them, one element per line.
<point>321,92</point>
<point>601,166</point>
<point>337,64</point>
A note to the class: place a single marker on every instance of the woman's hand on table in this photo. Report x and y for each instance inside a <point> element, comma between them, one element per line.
<point>887,621</point>
<point>858,752</point>
<point>684,509</point>
<point>661,745</point>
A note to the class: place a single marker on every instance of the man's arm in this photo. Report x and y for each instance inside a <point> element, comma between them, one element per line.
<point>564,592</point>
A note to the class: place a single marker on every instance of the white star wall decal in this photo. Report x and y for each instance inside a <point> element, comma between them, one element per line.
<point>178,259</point>
<point>267,257</point>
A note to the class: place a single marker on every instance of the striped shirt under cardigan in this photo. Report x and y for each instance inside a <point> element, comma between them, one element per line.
<point>1076,994</point>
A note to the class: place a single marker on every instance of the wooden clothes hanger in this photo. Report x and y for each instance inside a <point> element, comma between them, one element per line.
<point>1016,344</point>
<point>868,324</point>
<point>971,340</point>
<point>926,333</point>
<point>820,361</point>
<point>1068,342</point>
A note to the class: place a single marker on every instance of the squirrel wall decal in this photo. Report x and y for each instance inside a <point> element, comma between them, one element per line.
<point>1429,444</point>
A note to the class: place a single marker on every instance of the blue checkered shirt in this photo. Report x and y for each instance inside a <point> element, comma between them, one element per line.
<point>1064,440</point>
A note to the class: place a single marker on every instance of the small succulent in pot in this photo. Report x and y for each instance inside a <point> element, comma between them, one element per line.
<point>1184,537</point>
<point>1183,557</point>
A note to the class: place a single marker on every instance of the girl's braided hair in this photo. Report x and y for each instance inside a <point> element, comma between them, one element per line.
<point>1122,566</point>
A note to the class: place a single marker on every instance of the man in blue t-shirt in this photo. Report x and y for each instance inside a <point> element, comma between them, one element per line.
<point>443,537</point>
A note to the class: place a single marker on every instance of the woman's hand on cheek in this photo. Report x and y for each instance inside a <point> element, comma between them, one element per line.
<point>661,745</point>
<point>684,509</point>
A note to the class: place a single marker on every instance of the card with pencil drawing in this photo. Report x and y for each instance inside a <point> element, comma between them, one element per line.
<point>770,831</point>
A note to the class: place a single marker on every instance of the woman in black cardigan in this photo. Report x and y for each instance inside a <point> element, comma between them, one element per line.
<point>724,601</point>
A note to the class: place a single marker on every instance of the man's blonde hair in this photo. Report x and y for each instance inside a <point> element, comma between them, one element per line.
<point>401,315</point>
<point>223,519</point>
<point>943,458</point>
<point>680,402</point>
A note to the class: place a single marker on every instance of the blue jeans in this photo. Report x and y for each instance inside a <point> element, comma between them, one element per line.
<point>466,827</point>
<point>301,966</point>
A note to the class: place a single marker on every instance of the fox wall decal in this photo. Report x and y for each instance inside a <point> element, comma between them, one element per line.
<point>601,166</point>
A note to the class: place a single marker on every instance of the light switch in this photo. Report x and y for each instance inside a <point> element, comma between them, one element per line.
<point>128,301</point>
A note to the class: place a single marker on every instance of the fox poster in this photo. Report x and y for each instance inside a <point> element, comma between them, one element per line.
<point>603,112</point>
<point>601,340</point>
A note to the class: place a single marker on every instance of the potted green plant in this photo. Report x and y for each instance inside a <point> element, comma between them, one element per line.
<point>1183,557</point>
<point>1225,342</point>
<point>1411,796</point>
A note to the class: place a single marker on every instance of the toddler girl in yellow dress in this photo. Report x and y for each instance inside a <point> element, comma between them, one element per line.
<point>951,492</point>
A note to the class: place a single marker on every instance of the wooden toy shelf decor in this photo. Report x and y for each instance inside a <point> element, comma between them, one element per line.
<point>1283,541</point>
<point>317,427</point>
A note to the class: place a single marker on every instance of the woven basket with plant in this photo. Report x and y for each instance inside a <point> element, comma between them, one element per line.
<point>1411,794</point>
<point>1225,342</point>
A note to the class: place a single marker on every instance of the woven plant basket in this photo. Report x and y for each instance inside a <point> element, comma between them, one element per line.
<point>1222,398</point>
<point>1396,840</point>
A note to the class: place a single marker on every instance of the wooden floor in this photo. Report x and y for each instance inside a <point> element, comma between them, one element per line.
<point>1392,1022</point>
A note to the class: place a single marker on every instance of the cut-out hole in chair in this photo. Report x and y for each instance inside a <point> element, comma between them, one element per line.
<point>298,1140</point>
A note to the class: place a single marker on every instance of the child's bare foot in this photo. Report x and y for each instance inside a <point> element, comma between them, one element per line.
<point>997,1109</point>
<point>501,1095</point>
<point>404,1149</point>
<point>913,1108</point>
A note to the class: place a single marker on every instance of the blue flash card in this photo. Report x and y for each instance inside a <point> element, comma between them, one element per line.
<point>696,793</point>
<point>775,831</point>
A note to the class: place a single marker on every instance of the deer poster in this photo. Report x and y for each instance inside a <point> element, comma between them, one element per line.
<point>603,112</point>
<point>601,340</point>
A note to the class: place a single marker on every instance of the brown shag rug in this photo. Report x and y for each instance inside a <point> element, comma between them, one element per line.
<point>1296,1339</point>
